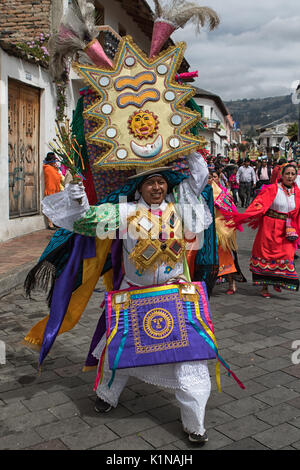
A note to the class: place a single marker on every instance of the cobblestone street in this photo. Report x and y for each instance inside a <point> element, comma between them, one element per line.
<point>55,411</point>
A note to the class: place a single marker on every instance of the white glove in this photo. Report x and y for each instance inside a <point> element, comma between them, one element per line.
<point>76,192</point>
<point>67,206</point>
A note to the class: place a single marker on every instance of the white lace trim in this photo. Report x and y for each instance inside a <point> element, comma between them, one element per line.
<point>63,209</point>
<point>194,211</point>
<point>179,375</point>
<point>107,397</point>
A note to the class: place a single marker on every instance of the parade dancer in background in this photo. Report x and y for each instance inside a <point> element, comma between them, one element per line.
<point>226,236</point>
<point>276,214</point>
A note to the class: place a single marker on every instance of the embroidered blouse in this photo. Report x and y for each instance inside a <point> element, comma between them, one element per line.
<point>284,202</point>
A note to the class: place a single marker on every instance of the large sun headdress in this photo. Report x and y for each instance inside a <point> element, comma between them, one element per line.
<point>139,107</point>
<point>143,91</point>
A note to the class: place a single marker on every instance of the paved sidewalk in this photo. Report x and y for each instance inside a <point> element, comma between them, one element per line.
<point>55,411</point>
<point>18,255</point>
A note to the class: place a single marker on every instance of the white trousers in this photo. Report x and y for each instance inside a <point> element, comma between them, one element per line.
<point>191,397</point>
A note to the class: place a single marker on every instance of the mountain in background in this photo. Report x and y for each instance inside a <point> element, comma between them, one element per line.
<point>253,113</point>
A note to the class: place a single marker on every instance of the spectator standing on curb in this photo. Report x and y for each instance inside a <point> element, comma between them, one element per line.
<point>52,180</point>
<point>246,179</point>
<point>263,174</point>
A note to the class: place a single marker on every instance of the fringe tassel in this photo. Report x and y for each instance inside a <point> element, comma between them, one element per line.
<point>50,293</point>
<point>41,276</point>
<point>227,242</point>
<point>89,368</point>
<point>30,344</point>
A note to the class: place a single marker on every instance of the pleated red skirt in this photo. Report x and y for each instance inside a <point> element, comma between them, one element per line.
<point>272,260</point>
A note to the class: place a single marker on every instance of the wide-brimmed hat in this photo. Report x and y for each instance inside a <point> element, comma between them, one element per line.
<point>50,158</point>
<point>142,172</point>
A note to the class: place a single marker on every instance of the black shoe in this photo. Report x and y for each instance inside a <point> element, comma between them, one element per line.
<point>101,406</point>
<point>197,438</point>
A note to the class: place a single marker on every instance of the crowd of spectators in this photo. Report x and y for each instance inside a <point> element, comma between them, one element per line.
<point>245,177</point>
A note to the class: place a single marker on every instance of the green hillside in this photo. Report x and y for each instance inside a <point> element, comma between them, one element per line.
<point>253,113</point>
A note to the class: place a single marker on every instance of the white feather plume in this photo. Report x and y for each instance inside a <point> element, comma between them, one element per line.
<point>77,29</point>
<point>180,12</point>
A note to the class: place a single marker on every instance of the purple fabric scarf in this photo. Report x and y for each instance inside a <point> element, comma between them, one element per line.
<point>83,247</point>
<point>116,259</point>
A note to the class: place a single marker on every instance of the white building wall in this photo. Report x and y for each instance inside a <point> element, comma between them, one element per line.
<point>115,14</point>
<point>33,75</point>
<point>212,111</point>
<point>30,74</point>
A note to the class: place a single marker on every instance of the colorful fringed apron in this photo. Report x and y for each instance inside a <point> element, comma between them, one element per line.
<point>159,325</point>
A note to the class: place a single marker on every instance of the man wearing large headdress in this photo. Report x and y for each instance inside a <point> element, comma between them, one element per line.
<point>154,199</point>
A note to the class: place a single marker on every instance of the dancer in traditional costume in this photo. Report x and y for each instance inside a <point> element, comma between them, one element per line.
<point>139,122</point>
<point>226,236</point>
<point>276,213</point>
<point>189,380</point>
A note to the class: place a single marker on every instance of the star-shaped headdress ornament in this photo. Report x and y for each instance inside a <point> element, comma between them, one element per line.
<point>140,108</point>
<point>141,113</point>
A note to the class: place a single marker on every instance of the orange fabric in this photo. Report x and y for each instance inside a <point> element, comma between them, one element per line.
<point>226,262</point>
<point>190,256</point>
<point>52,180</point>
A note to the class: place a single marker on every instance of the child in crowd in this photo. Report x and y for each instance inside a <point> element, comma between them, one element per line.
<point>234,185</point>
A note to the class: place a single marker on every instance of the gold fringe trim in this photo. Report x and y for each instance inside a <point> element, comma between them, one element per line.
<point>31,344</point>
<point>108,280</point>
<point>88,368</point>
<point>153,267</point>
<point>227,241</point>
<point>187,149</point>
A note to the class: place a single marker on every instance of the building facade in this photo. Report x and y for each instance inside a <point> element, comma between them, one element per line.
<point>28,99</point>
<point>217,126</point>
<point>271,139</point>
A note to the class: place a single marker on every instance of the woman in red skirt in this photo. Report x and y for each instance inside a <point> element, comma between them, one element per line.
<point>276,213</point>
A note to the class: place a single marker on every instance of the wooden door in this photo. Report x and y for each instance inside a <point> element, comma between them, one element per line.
<point>23,149</point>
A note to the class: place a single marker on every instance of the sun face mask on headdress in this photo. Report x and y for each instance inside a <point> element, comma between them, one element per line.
<point>140,111</point>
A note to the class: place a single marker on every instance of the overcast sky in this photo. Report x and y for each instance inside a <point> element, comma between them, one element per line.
<point>254,53</point>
